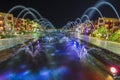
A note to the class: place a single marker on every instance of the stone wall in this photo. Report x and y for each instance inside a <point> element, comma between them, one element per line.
<point>108,45</point>
<point>11,42</point>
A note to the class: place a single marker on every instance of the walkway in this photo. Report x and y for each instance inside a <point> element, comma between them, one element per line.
<point>108,45</point>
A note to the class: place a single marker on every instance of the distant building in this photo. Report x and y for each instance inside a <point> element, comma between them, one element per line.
<point>2,28</point>
<point>20,24</point>
<point>6,21</point>
<point>9,23</point>
<point>95,23</point>
<point>112,24</point>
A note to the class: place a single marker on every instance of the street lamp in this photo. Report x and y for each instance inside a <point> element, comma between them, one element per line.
<point>113,70</point>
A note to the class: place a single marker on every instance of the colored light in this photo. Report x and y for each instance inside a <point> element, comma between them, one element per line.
<point>113,70</point>
<point>76,44</point>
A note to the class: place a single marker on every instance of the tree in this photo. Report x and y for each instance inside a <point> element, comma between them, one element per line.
<point>115,36</point>
<point>101,32</point>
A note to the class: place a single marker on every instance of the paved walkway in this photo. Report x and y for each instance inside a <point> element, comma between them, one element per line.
<point>11,42</point>
<point>109,45</point>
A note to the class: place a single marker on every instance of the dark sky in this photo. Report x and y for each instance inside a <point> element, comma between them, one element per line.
<point>59,12</point>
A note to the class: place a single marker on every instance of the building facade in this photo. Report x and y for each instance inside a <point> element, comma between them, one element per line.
<point>6,22</point>
<point>111,24</point>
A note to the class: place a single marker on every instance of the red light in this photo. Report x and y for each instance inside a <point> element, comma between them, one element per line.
<point>113,70</point>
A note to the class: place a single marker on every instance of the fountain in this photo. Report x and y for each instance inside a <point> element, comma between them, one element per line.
<point>78,48</point>
<point>101,3</point>
<point>29,10</point>
<point>93,8</point>
<point>87,19</point>
<point>27,13</point>
<point>69,24</point>
<point>33,49</point>
<point>85,16</point>
<point>82,52</point>
<point>78,20</point>
<point>12,9</point>
<point>46,20</point>
<point>36,12</point>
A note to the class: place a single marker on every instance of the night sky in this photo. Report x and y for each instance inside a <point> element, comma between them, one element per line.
<point>59,12</point>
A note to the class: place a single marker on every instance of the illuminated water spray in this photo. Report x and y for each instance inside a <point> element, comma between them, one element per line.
<point>79,49</point>
<point>29,13</point>
<point>85,16</point>
<point>46,23</point>
<point>33,50</point>
<point>71,24</point>
<point>78,21</point>
<point>12,9</point>
<point>88,19</point>
<point>64,27</point>
<point>30,10</point>
<point>95,9</point>
<point>68,25</point>
<point>16,7</point>
<point>24,9</point>
<point>36,12</point>
<point>102,3</point>
<point>48,27</point>
<point>82,52</point>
